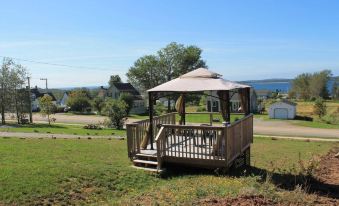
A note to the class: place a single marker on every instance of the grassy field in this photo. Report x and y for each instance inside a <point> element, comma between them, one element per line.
<point>97,171</point>
<point>60,129</point>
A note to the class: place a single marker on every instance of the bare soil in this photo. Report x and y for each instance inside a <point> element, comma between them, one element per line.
<point>328,171</point>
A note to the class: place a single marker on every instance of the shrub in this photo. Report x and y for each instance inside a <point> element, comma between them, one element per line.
<point>116,112</point>
<point>92,126</point>
<point>160,108</point>
<point>60,109</point>
<point>201,109</point>
<point>319,108</point>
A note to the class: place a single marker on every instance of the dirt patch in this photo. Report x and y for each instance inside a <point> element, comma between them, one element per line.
<point>240,201</point>
<point>328,171</point>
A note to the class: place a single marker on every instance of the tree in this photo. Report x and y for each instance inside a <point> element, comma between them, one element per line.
<point>146,73</point>
<point>116,111</point>
<point>169,62</point>
<point>47,107</point>
<point>129,100</point>
<point>114,79</point>
<point>318,84</point>
<point>12,79</point>
<point>300,86</point>
<point>78,101</point>
<point>335,89</point>
<point>98,103</point>
<point>319,107</point>
<point>311,85</point>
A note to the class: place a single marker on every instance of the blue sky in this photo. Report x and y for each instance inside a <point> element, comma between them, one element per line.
<point>240,39</point>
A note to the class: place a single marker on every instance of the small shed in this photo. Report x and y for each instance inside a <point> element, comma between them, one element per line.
<point>283,110</point>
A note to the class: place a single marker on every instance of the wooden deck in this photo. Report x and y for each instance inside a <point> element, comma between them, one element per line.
<point>200,146</point>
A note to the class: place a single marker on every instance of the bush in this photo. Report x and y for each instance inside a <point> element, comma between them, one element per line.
<point>116,112</point>
<point>78,101</point>
<point>92,126</point>
<point>201,109</point>
<point>60,109</point>
<point>160,108</point>
<point>332,118</point>
<point>319,108</point>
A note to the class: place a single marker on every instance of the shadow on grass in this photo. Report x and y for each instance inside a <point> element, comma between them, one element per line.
<point>38,125</point>
<point>286,181</point>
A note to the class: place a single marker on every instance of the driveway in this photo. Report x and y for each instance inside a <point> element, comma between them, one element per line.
<point>285,128</point>
<point>261,127</point>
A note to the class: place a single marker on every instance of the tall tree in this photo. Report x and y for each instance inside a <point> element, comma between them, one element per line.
<point>311,85</point>
<point>335,89</point>
<point>12,78</point>
<point>318,84</point>
<point>146,73</point>
<point>169,63</point>
<point>114,79</point>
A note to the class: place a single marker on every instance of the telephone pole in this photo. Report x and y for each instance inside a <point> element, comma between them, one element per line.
<point>45,79</point>
<point>30,100</point>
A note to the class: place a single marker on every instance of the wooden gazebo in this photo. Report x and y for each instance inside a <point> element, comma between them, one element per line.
<point>159,140</point>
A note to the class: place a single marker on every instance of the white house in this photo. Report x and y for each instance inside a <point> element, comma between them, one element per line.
<point>234,101</point>
<point>35,95</point>
<point>117,89</point>
<point>63,100</point>
<point>282,110</point>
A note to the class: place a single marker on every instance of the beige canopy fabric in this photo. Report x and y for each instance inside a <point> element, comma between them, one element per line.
<point>198,80</point>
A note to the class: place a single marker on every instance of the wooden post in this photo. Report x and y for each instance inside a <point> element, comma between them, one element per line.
<point>150,108</point>
<point>228,111</point>
<point>183,110</point>
<point>248,97</point>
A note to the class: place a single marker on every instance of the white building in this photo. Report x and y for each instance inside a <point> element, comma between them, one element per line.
<point>234,101</point>
<point>63,100</point>
<point>283,110</point>
<point>117,89</point>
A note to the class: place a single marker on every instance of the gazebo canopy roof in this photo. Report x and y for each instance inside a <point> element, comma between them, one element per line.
<point>198,80</point>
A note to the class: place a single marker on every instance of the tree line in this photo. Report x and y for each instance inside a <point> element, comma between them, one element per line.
<point>311,86</point>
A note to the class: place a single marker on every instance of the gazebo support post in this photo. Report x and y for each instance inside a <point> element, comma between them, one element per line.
<point>150,108</point>
<point>248,96</point>
<point>183,110</point>
<point>228,105</point>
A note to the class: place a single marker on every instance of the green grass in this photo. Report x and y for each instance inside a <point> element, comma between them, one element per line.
<point>97,171</point>
<point>61,129</point>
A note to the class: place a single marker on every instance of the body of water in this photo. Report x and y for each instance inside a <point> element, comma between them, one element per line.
<point>280,86</point>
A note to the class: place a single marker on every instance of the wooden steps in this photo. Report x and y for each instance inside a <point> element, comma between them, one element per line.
<point>146,162</point>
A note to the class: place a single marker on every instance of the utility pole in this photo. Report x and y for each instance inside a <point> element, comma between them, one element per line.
<point>45,79</point>
<point>30,100</point>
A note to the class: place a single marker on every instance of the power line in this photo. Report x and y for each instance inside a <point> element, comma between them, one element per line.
<point>59,65</point>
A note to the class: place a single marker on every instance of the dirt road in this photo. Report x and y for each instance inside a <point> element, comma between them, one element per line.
<point>263,127</point>
<point>284,128</point>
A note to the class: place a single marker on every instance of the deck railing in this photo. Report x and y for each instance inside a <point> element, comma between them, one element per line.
<point>224,143</point>
<point>239,137</point>
<point>137,130</point>
<point>201,142</point>
<point>195,142</point>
